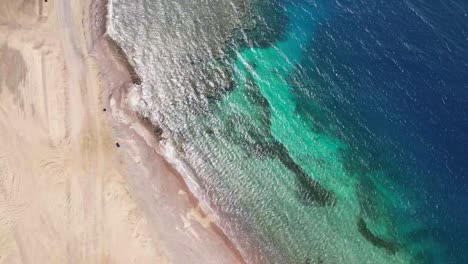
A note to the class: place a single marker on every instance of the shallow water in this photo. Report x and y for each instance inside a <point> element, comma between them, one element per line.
<point>321,132</point>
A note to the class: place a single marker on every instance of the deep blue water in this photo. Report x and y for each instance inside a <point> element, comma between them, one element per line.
<point>392,77</point>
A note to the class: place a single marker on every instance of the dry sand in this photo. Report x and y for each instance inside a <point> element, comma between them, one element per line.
<point>67,193</point>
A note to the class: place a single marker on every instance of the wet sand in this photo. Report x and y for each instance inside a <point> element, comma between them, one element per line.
<point>68,194</point>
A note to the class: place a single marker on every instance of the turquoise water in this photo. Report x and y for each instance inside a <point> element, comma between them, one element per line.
<point>358,215</point>
<point>330,230</point>
<point>331,132</point>
<point>292,182</point>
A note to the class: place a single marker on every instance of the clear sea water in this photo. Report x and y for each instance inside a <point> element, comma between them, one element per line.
<point>320,131</point>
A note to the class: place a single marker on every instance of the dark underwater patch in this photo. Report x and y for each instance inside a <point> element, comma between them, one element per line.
<point>252,133</point>
<point>266,24</point>
<point>210,78</point>
<point>310,192</point>
<point>390,246</point>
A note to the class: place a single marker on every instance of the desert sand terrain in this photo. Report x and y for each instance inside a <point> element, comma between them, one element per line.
<point>66,194</point>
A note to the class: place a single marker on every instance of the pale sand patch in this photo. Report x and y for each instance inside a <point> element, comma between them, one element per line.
<point>19,12</point>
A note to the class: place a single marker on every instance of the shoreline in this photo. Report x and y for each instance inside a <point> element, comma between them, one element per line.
<point>67,192</point>
<point>120,110</point>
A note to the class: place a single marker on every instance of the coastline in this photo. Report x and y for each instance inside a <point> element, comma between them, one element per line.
<point>68,193</point>
<point>152,124</point>
<point>134,127</point>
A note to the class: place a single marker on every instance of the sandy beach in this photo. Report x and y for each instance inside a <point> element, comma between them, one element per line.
<point>68,193</point>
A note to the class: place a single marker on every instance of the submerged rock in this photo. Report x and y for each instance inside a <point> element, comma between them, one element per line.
<point>310,191</point>
<point>252,133</point>
<point>390,246</point>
